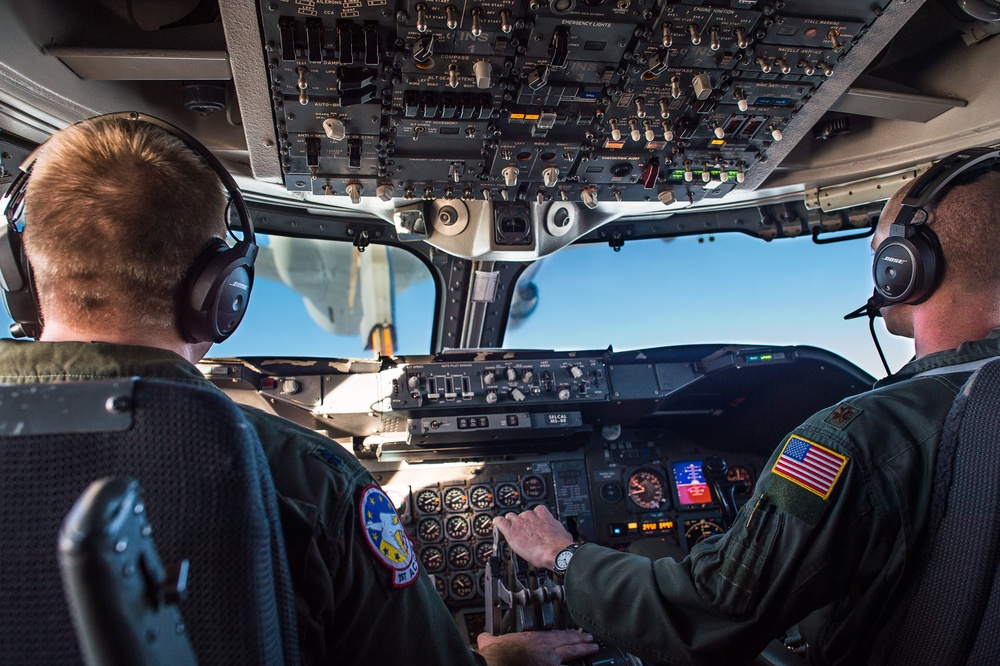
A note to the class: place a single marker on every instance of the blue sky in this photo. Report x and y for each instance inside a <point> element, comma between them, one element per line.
<point>735,289</point>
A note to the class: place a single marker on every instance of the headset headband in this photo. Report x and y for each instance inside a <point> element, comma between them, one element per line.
<point>218,288</point>
<point>937,178</point>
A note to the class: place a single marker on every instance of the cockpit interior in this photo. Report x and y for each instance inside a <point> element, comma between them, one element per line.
<point>432,160</point>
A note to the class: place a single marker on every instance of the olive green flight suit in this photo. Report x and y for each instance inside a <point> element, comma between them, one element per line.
<point>349,610</point>
<point>835,565</point>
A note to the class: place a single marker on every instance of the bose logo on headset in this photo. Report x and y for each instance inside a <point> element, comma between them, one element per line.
<point>907,265</point>
<point>210,309</point>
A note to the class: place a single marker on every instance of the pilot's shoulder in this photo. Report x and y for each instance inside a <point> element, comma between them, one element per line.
<point>891,426</point>
<point>306,465</point>
<point>910,409</point>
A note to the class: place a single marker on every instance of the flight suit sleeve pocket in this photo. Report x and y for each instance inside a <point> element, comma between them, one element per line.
<point>727,572</point>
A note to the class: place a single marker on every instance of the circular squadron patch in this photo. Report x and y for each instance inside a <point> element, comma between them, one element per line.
<point>386,536</point>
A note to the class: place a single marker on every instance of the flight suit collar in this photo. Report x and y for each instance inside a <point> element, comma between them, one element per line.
<point>29,362</point>
<point>967,352</point>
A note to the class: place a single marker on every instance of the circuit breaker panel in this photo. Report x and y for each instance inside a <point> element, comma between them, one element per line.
<point>575,100</point>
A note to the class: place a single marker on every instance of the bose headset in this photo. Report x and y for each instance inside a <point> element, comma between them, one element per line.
<point>216,291</point>
<point>908,264</point>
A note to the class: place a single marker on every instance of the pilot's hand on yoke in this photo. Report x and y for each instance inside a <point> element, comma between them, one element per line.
<point>536,648</point>
<point>535,535</point>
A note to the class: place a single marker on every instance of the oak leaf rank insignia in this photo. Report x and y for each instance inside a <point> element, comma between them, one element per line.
<point>842,416</point>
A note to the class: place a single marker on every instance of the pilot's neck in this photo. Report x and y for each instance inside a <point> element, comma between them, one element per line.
<point>57,331</point>
<point>947,320</point>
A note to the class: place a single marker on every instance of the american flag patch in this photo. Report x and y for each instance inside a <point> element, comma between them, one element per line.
<point>810,465</point>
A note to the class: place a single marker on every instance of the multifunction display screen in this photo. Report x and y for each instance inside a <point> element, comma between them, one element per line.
<point>692,490</point>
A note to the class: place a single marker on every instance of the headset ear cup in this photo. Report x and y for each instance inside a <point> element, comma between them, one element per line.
<point>217,293</point>
<point>908,269</point>
<point>17,286</point>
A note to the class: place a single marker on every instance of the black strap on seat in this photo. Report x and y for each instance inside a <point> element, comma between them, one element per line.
<point>953,616</point>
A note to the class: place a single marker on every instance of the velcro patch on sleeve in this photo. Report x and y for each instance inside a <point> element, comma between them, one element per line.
<point>386,537</point>
<point>810,465</point>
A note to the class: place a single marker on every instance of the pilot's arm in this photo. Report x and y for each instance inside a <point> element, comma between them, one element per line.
<point>393,614</point>
<point>790,553</point>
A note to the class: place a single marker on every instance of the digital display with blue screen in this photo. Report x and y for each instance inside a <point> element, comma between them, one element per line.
<point>692,490</point>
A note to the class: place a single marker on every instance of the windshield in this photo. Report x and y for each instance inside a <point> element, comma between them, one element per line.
<point>324,298</point>
<point>316,297</point>
<point>729,288</point>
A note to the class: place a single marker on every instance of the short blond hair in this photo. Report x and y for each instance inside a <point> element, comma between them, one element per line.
<point>966,219</point>
<point>116,211</point>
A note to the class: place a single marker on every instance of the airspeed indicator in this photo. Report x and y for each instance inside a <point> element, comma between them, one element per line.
<point>645,489</point>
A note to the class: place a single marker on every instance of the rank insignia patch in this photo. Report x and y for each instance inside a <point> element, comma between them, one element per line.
<point>842,415</point>
<point>386,537</point>
<point>809,465</point>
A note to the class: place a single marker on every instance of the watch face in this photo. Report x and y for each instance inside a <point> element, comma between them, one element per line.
<point>562,559</point>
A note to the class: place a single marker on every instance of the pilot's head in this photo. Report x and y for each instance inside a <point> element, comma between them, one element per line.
<point>116,213</point>
<point>965,217</point>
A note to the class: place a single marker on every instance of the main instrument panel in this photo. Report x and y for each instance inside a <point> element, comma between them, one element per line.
<point>543,100</point>
<point>632,450</point>
<point>648,487</point>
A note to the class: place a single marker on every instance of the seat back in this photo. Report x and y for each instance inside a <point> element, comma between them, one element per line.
<point>210,499</point>
<point>953,616</point>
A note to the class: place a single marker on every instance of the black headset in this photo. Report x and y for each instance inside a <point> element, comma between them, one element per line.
<point>215,293</point>
<point>908,263</point>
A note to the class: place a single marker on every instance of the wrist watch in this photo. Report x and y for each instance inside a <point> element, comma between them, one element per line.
<point>562,559</point>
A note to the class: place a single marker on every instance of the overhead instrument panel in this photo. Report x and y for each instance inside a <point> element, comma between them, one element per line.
<point>585,101</point>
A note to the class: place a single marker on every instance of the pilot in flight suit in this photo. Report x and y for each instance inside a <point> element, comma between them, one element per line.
<point>792,551</point>
<point>833,536</point>
<point>382,613</point>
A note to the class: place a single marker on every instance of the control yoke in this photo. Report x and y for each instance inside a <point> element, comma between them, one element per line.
<point>724,490</point>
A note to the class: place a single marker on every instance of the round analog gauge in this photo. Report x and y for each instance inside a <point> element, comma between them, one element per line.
<point>428,501</point>
<point>459,556</point>
<point>508,495</point>
<point>611,492</point>
<point>483,551</point>
<point>699,530</point>
<point>457,527</point>
<point>429,529</point>
<point>645,489</point>
<point>440,586</point>
<point>481,497</point>
<point>533,487</point>
<point>482,583</point>
<point>432,558</point>
<point>462,586</point>
<point>455,499</point>
<point>482,525</point>
<point>741,474</point>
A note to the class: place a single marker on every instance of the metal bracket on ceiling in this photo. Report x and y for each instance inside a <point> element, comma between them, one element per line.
<point>879,188</point>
